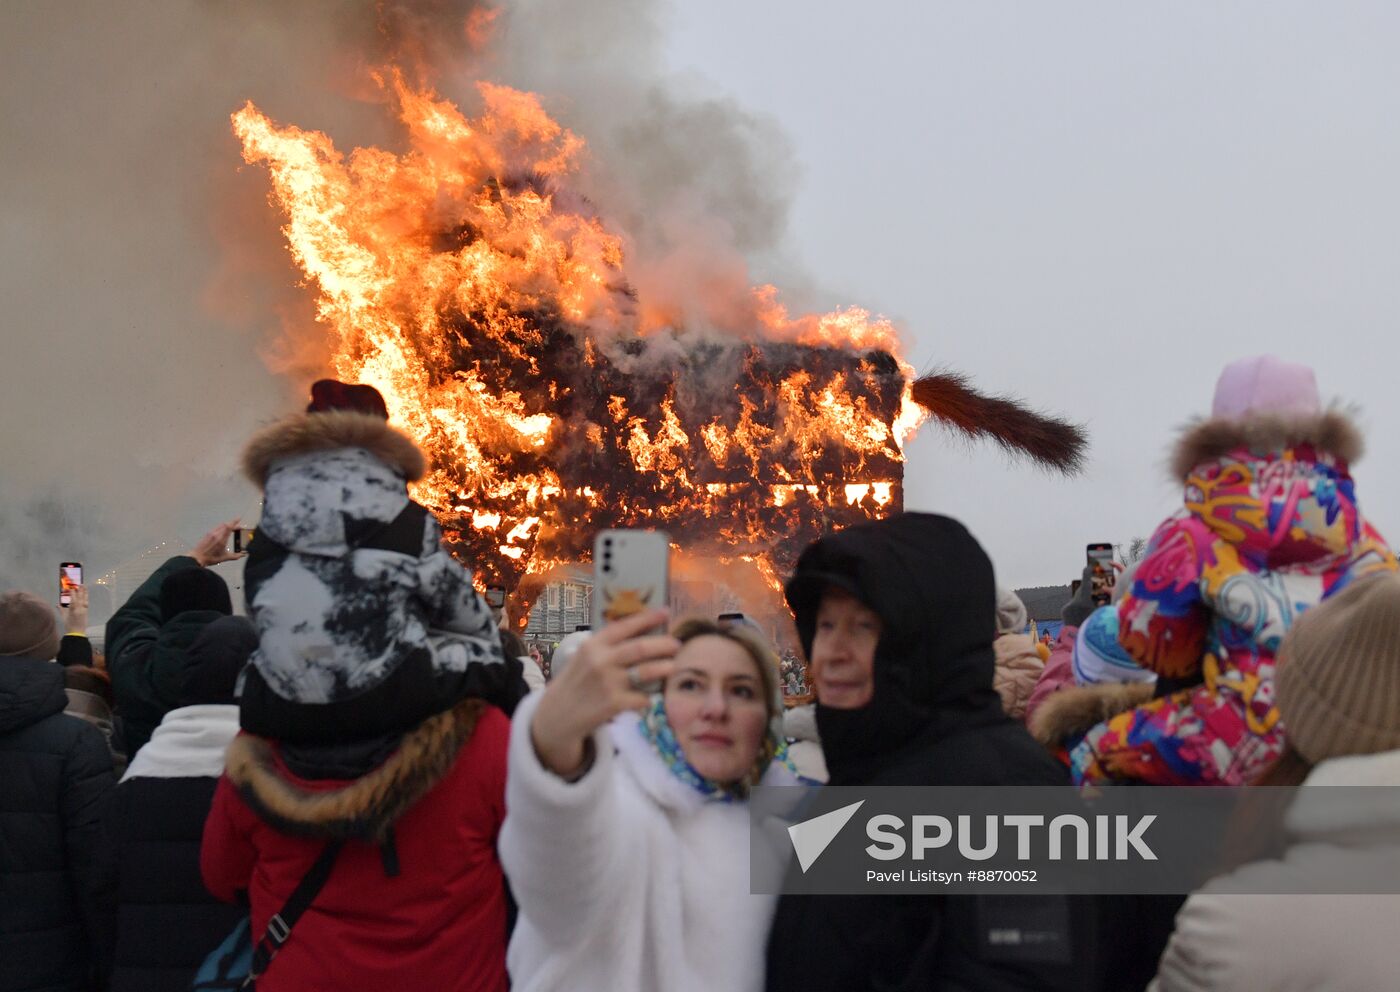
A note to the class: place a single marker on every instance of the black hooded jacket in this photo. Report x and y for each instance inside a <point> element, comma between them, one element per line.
<point>934,720</point>
<point>155,823</point>
<point>56,901</point>
<point>147,653</point>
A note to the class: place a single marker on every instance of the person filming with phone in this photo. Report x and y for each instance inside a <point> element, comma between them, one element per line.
<point>626,840</point>
<point>149,639</point>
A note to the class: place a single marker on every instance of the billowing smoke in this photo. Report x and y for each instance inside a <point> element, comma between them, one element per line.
<point>149,297</point>
<point>700,183</point>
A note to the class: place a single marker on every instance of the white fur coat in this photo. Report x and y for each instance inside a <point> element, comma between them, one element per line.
<point>628,880</point>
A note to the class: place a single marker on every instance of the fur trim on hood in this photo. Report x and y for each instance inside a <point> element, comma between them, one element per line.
<point>363,808</point>
<point>1208,440</point>
<point>1076,709</point>
<point>305,432</point>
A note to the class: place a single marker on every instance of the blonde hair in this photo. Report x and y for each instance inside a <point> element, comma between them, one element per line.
<point>763,656</point>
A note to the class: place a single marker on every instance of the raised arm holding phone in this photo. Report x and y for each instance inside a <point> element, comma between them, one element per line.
<point>74,649</point>
<point>627,800</point>
<point>603,680</point>
<point>148,637</point>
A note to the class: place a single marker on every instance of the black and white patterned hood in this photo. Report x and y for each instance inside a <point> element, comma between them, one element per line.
<point>348,583</point>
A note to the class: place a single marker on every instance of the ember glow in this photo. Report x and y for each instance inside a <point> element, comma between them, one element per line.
<point>491,306</point>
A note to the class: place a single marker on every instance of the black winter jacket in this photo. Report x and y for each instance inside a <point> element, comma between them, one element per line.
<point>167,922</point>
<point>56,900</point>
<point>934,720</point>
<point>147,654</point>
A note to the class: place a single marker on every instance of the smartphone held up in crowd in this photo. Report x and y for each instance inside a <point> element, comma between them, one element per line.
<point>1100,560</point>
<point>631,573</point>
<point>70,577</point>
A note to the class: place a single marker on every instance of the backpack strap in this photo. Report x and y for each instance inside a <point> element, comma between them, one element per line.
<point>279,927</point>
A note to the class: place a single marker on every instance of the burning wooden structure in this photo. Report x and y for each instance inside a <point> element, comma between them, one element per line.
<point>713,449</point>
<point>492,308</point>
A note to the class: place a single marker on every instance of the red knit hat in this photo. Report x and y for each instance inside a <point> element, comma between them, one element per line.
<point>331,394</point>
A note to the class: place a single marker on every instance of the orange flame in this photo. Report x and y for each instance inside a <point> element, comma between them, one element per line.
<point>450,276</point>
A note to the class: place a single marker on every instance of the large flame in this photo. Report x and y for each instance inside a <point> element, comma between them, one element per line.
<point>490,306</point>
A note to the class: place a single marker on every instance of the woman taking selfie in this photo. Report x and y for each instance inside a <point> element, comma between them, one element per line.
<point>626,839</point>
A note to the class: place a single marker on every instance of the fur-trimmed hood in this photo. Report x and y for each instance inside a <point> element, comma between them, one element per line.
<point>1203,441</point>
<point>364,808</point>
<point>1074,710</point>
<point>304,433</point>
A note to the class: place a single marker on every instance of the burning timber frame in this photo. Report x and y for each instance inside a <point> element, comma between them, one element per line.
<point>491,306</point>
<point>712,448</point>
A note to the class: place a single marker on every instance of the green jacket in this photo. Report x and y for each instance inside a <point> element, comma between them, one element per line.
<point>146,656</point>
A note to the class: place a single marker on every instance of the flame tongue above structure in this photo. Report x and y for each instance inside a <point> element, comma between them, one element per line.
<point>491,306</point>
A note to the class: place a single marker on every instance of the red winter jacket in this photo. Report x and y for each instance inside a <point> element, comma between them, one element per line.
<point>437,802</point>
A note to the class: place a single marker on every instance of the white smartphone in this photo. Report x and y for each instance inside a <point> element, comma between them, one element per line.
<point>631,573</point>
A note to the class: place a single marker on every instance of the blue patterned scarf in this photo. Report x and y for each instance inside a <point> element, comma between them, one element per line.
<point>657,729</point>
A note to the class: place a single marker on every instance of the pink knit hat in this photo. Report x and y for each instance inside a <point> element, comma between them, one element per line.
<point>1265,385</point>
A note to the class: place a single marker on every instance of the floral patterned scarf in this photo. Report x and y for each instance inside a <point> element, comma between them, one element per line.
<point>657,729</point>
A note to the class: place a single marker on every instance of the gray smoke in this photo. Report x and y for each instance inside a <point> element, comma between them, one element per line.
<point>701,186</point>
<point>153,317</point>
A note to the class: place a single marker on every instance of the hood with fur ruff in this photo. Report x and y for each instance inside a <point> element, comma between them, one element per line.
<point>1072,711</point>
<point>1204,441</point>
<point>304,433</point>
<point>364,808</point>
<point>328,478</point>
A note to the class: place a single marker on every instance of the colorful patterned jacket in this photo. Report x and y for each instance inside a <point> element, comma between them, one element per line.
<point>1269,529</point>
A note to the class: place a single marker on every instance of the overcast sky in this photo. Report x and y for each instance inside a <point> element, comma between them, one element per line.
<point>1092,206</point>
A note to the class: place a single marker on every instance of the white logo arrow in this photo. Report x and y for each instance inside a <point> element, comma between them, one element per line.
<point>811,837</point>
